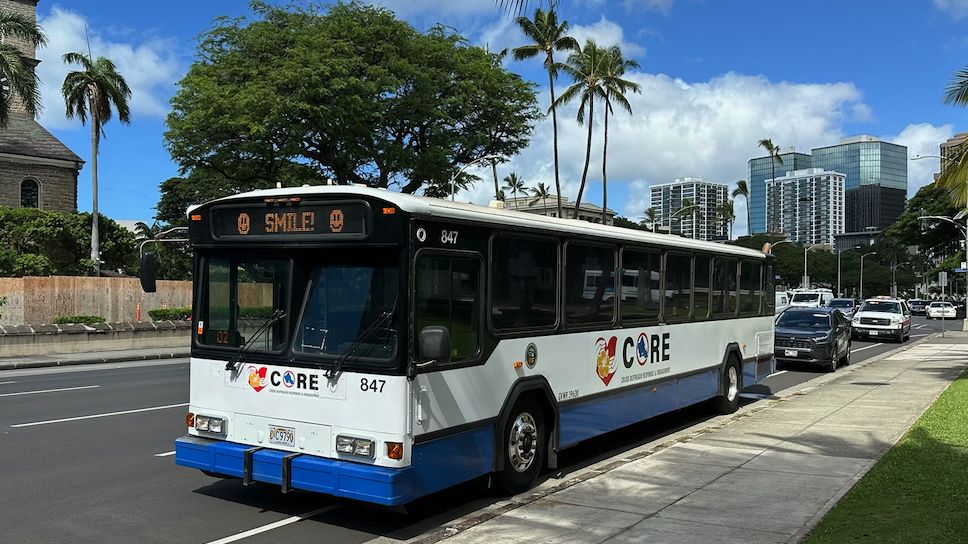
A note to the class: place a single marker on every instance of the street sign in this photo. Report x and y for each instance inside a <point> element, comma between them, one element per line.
<point>962,269</point>
<point>943,279</point>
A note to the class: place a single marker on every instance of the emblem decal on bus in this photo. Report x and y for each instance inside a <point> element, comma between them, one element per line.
<point>531,355</point>
<point>605,361</point>
<point>243,223</point>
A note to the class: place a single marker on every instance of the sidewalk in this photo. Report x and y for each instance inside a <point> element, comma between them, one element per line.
<point>766,474</point>
<point>114,356</point>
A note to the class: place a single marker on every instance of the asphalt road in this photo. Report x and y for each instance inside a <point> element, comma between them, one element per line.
<point>86,457</point>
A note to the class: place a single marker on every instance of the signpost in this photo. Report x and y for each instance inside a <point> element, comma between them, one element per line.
<point>943,282</point>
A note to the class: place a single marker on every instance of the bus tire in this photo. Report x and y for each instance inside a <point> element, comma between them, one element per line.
<point>732,382</point>
<point>523,444</point>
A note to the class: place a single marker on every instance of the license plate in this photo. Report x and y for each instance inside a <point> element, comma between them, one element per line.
<point>872,333</point>
<point>282,436</point>
<point>790,353</point>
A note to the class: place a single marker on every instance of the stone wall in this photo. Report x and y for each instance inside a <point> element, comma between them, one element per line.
<point>37,300</point>
<point>25,340</point>
<point>58,186</point>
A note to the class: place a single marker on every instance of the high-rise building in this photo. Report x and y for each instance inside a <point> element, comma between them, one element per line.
<point>807,205</point>
<point>705,223</point>
<point>761,169</point>
<point>948,149</point>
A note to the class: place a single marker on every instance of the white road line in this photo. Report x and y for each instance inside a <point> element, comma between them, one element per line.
<point>925,334</point>
<point>865,347</point>
<point>276,525</point>
<point>754,396</point>
<point>93,416</point>
<point>920,326</point>
<point>48,391</point>
<point>166,454</point>
<point>6,383</point>
<point>778,372</point>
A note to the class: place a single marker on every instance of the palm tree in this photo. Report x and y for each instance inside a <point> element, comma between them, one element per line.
<point>727,213</point>
<point>614,66</point>
<point>743,189</point>
<point>688,206</point>
<point>954,174</point>
<point>17,75</point>
<point>774,152</point>
<point>514,184</point>
<point>541,192</point>
<point>91,92</point>
<point>547,36</point>
<point>651,217</point>
<point>585,67</point>
<point>518,6</point>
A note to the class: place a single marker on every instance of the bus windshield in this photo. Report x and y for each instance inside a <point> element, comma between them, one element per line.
<point>240,295</point>
<point>345,302</point>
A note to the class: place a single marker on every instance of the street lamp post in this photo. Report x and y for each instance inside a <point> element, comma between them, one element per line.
<point>805,250</point>
<point>453,178</point>
<point>839,253</point>
<point>862,273</point>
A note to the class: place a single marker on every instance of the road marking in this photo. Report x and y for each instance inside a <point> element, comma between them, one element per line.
<point>920,326</point>
<point>93,416</point>
<point>866,347</point>
<point>166,454</point>
<point>925,334</point>
<point>276,525</point>
<point>6,383</point>
<point>48,391</point>
<point>755,396</point>
<point>777,373</point>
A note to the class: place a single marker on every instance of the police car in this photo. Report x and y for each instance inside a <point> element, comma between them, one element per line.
<point>882,317</point>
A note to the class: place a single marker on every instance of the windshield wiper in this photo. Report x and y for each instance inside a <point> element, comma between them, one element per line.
<point>337,368</point>
<point>274,317</point>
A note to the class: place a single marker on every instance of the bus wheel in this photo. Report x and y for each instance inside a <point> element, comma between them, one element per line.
<point>523,444</point>
<point>728,402</point>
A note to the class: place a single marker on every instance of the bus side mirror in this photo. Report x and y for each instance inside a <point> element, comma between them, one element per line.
<point>147,272</point>
<point>434,345</point>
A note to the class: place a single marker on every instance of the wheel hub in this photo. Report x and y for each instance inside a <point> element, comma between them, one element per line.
<point>522,442</point>
<point>732,383</point>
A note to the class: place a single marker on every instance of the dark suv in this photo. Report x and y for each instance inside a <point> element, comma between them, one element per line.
<point>918,306</point>
<point>818,336</point>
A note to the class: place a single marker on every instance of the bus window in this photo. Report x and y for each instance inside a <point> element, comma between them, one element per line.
<point>589,284</point>
<point>677,286</point>
<point>242,294</point>
<point>750,287</point>
<point>724,286</point>
<point>640,284</point>
<point>447,295</point>
<point>700,287</point>
<point>524,283</point>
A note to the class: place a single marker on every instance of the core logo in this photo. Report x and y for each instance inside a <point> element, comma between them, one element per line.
<point>257,378</point>
<point>289,379</point>
<point>605,360</point>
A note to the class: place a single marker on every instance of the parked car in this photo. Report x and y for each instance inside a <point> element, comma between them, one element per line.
<point>818,336</point>
<point>782,302</point>
<point>812,298</point>
<point>882,317</point>
<point>939,310</point>
<point>847,306</point>
<point>918,305</point>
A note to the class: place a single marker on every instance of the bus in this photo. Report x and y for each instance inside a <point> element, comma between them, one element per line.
<point>379,346</point>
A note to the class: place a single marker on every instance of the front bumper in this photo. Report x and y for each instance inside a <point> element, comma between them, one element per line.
<point>818,354</point>
<point>878,331</point>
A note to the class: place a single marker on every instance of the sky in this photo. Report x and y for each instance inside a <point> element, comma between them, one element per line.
<point>716,77</point>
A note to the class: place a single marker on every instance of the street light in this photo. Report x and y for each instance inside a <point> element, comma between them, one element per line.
<point>453,178</point>
<point>838,267</point>
<point>774,244</point>
<point>805,250</point>
<point>862,273</point>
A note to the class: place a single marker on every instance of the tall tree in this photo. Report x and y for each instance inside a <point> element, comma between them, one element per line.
<point>518,6</point>
<point>547,36</point>
<point>585,67</point>
<point>743,189</point>
<point>540,192</point>
<point>727,214</point>
<point>17,75</point>
<point>94,92</point>
<point>954,173</point>
<point>651,217</point>
<point>773,151</point>
<point>514,184</point>
<point>614,67</point>
<point>689,206</point>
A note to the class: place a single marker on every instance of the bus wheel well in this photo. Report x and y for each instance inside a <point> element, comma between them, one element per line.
<point>537,389</point>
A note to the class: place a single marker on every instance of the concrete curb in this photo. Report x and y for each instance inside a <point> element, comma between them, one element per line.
<point>68,361</point>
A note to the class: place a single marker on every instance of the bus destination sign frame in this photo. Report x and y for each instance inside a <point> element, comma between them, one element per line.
<point>345,220</point>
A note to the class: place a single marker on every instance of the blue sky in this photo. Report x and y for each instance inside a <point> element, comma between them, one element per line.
<point>716,77</point>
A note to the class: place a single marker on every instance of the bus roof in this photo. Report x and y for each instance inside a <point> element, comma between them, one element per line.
<point>436,207</point>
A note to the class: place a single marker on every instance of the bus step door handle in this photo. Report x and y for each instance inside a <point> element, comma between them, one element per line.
<point>247,465</point>
<point>287,472</point>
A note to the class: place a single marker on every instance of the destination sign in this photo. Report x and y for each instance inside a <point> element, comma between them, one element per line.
<point>300,220</point>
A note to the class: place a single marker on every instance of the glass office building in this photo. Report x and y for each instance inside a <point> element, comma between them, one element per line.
<point>761,169</point>
<point>806,205</point>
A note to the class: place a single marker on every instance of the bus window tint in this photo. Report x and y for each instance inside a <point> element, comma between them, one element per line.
<point>524,283</point>
<point>447,295</point>
<point>678,281</point>
<point>640,284</point>
<point>750,289</point>
<point>589,284</point>
<point>724,286</point>
<point>700,287</point>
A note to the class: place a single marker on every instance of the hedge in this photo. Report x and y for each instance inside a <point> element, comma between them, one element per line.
<point>170,314</point>
<point>75,319</point>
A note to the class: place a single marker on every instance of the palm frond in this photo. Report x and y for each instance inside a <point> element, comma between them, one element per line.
<point>12,24</point>
<point>957,90</point>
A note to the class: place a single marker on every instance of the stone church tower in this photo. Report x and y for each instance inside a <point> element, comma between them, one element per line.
<point>36,169</point>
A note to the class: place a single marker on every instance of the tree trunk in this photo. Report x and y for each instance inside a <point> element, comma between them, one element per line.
<point>497,190</point>
<point>749,227</point>
<point>771,228</point>
<point>554,127</point>
<point>95,238</point>
<point>588,153</point>
<point>604,175</point>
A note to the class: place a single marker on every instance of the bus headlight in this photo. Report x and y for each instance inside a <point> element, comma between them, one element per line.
<point>354,446</point>
<point>209,424</point>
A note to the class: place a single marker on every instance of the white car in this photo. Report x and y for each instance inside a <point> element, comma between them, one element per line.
<point>939,310</point>
<point>882,317</point>
<point>814,298</point>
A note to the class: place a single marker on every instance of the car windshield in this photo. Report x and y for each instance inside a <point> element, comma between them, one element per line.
<point>240,294</point>
<point>941,305</point>
<point>841,303</point>
<point>805,297</point>
<point>804,320</point>
<point>885,306</point>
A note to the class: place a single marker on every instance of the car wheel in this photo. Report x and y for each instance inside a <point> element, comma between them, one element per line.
<point>832,365</point>
<point>847,355</point>
<point>732,382</point>
<point>523,445</point>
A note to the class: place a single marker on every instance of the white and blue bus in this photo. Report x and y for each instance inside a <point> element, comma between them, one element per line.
<point>379,346</point>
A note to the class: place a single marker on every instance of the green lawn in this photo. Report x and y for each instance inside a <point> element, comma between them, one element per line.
<point>917,492</point>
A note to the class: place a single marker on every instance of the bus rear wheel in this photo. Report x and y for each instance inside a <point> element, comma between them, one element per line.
<point>523,444</point>
<point>732,382</point>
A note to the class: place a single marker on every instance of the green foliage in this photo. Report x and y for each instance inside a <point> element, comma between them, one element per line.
<point>934,238</point>
<point>298,95</point>
<point>14,67</point>
<point>170,314</point>
<point>619,221</point>
<point>37,242</point>
<point>78,319</point>
<point>255,312</point>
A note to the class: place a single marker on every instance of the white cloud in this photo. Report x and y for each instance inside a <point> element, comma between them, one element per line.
<point>606,33</point>
<point>150,66</point>
<point>956,8</point>
<point>461,8</point>
<point>921,139</point>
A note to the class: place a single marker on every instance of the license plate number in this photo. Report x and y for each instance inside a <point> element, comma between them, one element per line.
<point>790,353</point>
<point>282,436</point>
<point>872,333</point>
